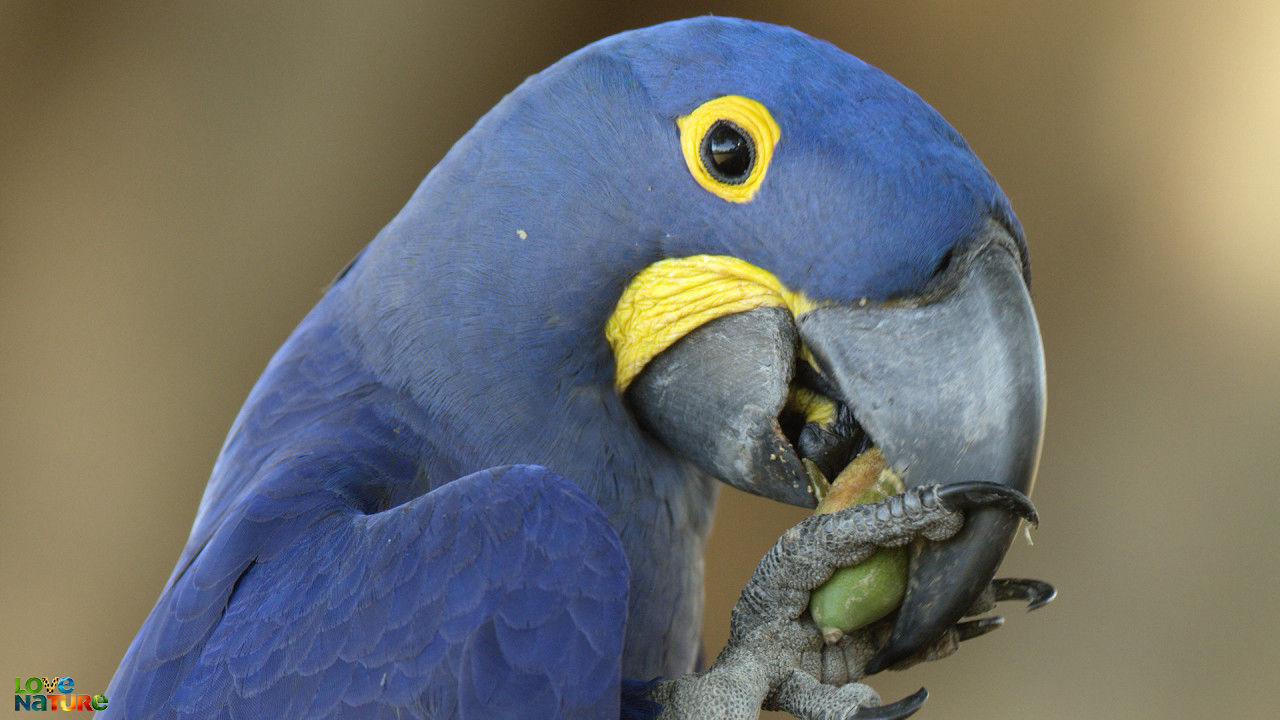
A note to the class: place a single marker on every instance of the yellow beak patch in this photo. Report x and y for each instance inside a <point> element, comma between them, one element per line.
<point>670,298</point>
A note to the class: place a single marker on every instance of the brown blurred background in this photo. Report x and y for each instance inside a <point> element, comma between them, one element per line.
<point>178,184</point>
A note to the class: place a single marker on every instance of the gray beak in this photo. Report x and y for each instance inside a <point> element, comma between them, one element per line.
<point>951,388</point>
<point>714,397</point>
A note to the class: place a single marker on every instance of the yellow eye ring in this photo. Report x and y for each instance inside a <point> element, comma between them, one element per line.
<point>727,144</point>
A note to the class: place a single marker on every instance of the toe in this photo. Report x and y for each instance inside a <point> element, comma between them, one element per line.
<point>974,495</point>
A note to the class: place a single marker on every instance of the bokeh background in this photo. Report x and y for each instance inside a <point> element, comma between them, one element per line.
<point>178,183</point>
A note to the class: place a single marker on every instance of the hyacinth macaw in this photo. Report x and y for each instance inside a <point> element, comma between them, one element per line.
<point>478,478</point>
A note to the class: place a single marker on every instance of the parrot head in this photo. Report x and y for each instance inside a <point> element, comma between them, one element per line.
<point>733,245</point>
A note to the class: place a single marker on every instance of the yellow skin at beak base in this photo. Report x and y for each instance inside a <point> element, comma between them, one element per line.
<point>672,297</point>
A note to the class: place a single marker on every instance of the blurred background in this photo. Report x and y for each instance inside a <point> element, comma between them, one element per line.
<point>179,183</point>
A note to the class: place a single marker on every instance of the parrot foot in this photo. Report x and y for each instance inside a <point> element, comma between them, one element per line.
<point>805,697</point>
<point>777,658</point>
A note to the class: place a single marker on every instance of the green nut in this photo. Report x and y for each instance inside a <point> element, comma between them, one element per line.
<point>858,595</point>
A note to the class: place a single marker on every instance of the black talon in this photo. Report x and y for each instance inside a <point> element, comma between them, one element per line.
<point>971,629</point>
<point>904,708</point>
<point>978,494</point>
<point>1036,593</point>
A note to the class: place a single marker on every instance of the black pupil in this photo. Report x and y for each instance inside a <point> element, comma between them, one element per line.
<point>727,152</point>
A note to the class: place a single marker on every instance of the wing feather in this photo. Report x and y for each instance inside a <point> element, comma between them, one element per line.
<point>500,594</point>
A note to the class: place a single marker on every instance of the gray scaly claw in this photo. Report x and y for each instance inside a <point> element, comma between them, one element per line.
<point>977,494</point>
<point>971,629</point>
<point>1036,593</point>
<point>904,708</point>
<point>806,698</point>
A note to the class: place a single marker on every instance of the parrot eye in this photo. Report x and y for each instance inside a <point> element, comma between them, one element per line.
<point>727,144</point>
<point>728,153</point>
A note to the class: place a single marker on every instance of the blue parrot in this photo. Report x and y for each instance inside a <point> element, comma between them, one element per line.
<point>478,478</point>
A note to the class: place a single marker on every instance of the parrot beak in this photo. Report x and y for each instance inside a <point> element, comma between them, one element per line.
<point>715,395</point>
<point>951,387</point>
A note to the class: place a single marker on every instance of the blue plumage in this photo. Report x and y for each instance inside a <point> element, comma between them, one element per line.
<point>362,548</point>
<point>332,584</point>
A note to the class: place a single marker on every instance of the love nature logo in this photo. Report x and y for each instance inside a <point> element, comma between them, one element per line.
<point>59,693</point>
